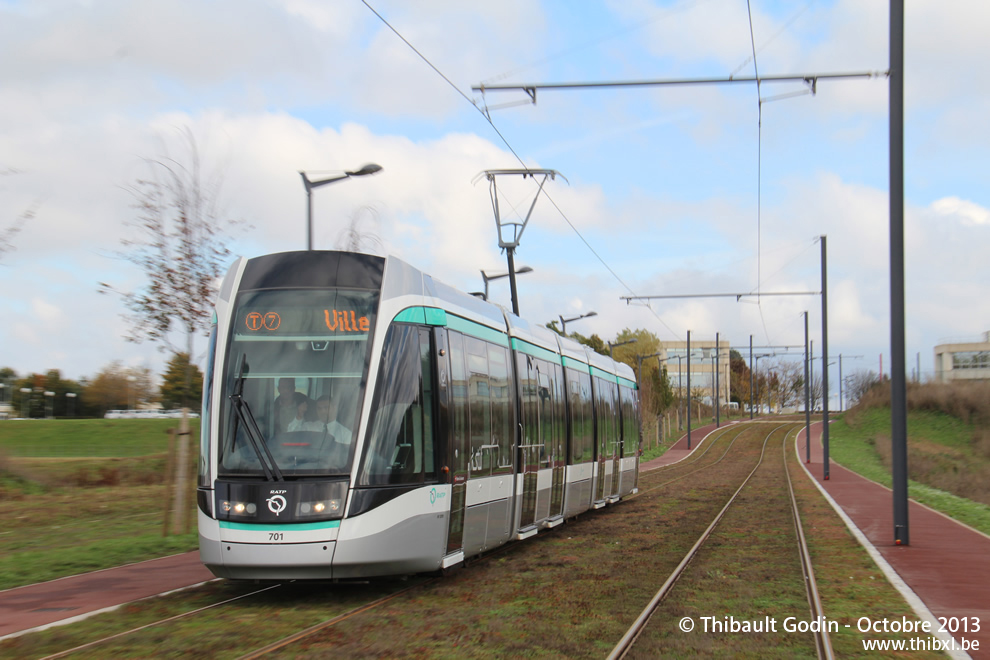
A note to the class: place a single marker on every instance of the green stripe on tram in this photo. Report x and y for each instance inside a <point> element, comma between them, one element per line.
<point>536,351</point>
<point>411,315</point>
<point>576,365</point>
<point>627,382</point>
<point>435,316</point>
<point>286,527</point>
<point>604,375</point>
<point>422,316</point>
<point>477,330</point>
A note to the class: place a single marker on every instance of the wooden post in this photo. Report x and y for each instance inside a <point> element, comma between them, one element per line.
<point>181,472</point>
<point>167,483</point>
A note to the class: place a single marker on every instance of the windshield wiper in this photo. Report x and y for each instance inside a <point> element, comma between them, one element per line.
<point>254,434</point>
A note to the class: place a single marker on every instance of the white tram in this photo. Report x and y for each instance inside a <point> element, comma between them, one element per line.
<point>362,419</point>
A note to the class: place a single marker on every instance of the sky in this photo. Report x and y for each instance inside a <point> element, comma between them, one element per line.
<point>663,190</point>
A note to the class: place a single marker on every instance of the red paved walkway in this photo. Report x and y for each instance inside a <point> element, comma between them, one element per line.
<point>946,569</point>
<point>947,565</point>
<point>679,451</point>
<point>37,605</point>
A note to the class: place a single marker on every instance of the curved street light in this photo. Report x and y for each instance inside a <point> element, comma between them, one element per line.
<point>564,322</point>
<point>370,168</point>
<point>612,345</point>
<point>488,278</point>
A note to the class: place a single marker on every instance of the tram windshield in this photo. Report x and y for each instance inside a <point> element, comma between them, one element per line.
<point>296,370</point>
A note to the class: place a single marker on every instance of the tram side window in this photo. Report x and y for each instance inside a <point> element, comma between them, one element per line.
<point>545,399</point>
<point>479,403</point>
<point>559,415</point>
<point>608,437</point>
<point>630,422</point>
<point>400,441</point>
<point>459,401</point>
<point>529,412</point>
<point>582,429</point>
<point>502,436</point>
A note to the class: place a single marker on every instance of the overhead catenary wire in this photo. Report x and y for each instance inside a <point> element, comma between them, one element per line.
<point>776,34</point>
<point>514,153</point>
<point>759,153</point>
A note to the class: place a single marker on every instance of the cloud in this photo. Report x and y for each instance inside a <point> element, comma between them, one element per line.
<point>45,311</point>
<point>960,210</point>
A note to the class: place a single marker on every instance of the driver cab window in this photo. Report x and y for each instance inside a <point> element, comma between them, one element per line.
<point>400,442</point>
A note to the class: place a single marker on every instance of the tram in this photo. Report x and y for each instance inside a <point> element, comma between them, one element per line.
<point>363,419</point>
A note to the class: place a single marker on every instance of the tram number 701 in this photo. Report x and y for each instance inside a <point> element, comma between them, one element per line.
<point>276,536</point>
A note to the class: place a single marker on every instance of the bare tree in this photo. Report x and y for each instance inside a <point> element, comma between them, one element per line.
<point>353,239</point>
<point>8,233</point>
<point>817,390</point>
<point>859,384</point>
<point>182,251</point>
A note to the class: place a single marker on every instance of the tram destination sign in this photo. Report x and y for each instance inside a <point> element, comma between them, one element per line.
<point>306,321</point>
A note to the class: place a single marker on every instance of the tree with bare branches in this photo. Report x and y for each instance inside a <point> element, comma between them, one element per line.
<point>8,233</point>
<point>354,239</point>
<point>182,249</point>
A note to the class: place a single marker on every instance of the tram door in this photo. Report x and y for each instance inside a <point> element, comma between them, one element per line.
<point>558,454</point>
<point>601,441</point>
<point>606,440</point>
<point>453,394</point>
<point>615,446</point>
<point>530,446</point>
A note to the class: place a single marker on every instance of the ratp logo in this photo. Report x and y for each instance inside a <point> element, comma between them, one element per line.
<point>436,495</point>
<point>276,504</point>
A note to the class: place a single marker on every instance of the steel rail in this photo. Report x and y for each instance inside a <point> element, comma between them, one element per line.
<point>688,474</point>
<point>822,642</point>
<point>312,630</point>
<point>97,642</point>
<point>639,624</point>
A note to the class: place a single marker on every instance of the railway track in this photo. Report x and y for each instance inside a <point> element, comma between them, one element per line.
<point>502,596</point>
<point>627,645</point>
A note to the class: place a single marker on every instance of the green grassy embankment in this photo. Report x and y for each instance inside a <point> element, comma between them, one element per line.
<point>948,447</point>
<point>82,495</point>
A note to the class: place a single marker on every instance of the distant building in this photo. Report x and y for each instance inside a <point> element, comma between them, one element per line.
<point>963,361</point>
<point>674,355</point>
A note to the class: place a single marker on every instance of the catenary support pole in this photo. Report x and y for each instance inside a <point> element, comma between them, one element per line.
<point>718,390</point>
<point>898,388</point>
<point>807,397</point>
<point>751,376</point>
<point>825,356</point>
<point>689,388</point>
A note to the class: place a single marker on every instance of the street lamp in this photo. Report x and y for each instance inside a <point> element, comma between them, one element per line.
<point>370,168</point>
<point>619,343</point>
<point>564,322</point>
<point>70,399</point>
<point>488,278</point>
<point>24,391</point>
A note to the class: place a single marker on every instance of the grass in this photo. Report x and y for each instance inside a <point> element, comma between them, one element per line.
<point>83,495</point>
<point>949,470</point>
<point>93,438</point>
<point>569,592</point>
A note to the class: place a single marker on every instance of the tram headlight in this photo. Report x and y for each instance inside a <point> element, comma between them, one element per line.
<point>324,509</point>
<point>246,509</point>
